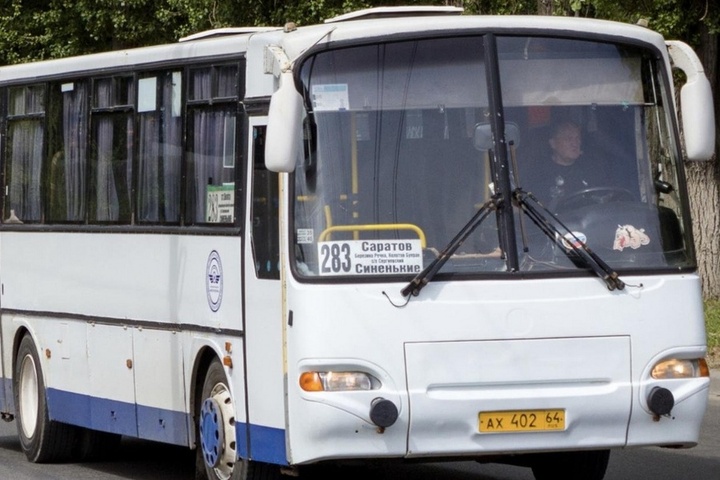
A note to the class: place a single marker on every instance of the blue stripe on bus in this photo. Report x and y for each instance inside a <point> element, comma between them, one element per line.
<point>118,417</point>
<point>155,424</point>
<point>268,444</point>
<point>7,403</point>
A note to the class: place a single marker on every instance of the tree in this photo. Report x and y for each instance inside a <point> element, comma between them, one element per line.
<point>696,22</point>
<point>42,29</point>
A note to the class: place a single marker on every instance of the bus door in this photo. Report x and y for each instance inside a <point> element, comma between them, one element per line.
<point>263,306</point>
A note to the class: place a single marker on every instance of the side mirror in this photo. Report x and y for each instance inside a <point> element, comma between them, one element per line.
<point>698,119</point>
<point>483,138</point>
<point>284,129</point>
<point>696,102</point>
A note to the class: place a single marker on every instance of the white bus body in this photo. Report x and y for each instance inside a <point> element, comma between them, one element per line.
<point>158,281</point>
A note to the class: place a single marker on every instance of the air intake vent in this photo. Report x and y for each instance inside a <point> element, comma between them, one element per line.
<point>221,32</point>
<point>393,12</point>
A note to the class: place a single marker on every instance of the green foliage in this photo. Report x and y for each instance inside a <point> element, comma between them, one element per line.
<point>500,7</point>
<point>712,323</point>
<point>676,19</point>
<point>40,29</point>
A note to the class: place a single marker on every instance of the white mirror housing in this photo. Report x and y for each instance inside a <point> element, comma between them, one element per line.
<point>698,116</point>
<point>284,129</point>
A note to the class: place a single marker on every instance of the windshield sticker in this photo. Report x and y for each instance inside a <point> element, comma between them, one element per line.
<point>574,240</point>
<point>370,257</point>
<point>629,236</point>
<point>305,236</point>
<point>330,97</point>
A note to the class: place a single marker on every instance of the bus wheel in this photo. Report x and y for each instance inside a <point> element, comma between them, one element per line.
<point>588,465</point>
<point>216,427</point>
<point>41,439</point>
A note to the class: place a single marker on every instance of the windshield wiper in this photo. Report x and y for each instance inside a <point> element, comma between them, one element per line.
<point>550,228</point>
<point>424,277</point>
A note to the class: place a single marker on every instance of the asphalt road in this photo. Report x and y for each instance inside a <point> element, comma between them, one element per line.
<point>140,460</point>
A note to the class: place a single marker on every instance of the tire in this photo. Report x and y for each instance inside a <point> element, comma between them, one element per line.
<point>585,465</point>
<point>216,457</point>
<point>215,414</point>
<point>41,439</point>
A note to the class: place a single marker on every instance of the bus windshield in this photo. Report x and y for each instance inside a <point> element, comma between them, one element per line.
<point>400,155</point>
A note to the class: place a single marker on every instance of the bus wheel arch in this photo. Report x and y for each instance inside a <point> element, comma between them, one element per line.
<point>41,439</point>
<point>213,421</point>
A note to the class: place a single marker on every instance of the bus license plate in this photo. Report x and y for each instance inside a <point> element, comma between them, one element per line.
<point>521,421</point>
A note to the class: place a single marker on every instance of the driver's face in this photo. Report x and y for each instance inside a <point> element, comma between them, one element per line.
<point>566,145</point>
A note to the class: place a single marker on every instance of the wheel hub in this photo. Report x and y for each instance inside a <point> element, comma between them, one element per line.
<point>212,432</point>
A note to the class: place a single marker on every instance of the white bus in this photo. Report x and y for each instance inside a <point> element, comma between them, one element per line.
<point>290,247</point>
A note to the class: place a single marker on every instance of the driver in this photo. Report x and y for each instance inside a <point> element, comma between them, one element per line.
<point>567,170</point>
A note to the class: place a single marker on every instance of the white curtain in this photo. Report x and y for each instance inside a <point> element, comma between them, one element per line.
<point>160,152</point>
<point>25,161</point>
<point>26,138</point>
<point>75,127</point>
<point>113,171</point>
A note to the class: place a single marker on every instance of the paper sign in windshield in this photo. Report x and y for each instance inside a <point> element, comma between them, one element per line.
<point>330,97</point>
<point>370,257</point>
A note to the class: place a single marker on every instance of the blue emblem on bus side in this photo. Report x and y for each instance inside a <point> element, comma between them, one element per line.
<point>214,281</point>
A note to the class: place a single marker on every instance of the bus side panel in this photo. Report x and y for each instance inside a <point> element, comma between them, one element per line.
<point>109,314</point>
<point>158,361</point>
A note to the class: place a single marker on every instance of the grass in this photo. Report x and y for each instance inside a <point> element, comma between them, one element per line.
<point>712,325</point>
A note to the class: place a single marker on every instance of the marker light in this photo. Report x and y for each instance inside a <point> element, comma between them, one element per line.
<point>335,381</point>
<point>681,368</point>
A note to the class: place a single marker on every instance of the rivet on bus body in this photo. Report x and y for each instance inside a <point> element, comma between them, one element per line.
<point>128,363</point>
<point>48,353</point>
<point>227,361</point>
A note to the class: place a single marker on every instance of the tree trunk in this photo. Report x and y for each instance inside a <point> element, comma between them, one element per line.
<point>703,179</point>
<point>704,182</point>
<point>544,7</point>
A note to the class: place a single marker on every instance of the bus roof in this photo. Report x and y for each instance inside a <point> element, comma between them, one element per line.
<point>296,41</point>
<point>374,29</point>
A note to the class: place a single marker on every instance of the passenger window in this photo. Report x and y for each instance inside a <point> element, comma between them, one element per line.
<point>67,137</point>
<point>111,150</point>
<point>212,130</point>
<point>25,150</point>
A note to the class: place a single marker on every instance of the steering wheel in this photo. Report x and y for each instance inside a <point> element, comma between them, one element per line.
<point>594,196</point>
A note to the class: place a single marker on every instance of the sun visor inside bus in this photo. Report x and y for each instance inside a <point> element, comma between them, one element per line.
<point>565,81</point>
<point>573,81</point>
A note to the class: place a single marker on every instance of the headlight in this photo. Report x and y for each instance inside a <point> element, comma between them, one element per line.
<point>681,368</point>
<point>335,381</point>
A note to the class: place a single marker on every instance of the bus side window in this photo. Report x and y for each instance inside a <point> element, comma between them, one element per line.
<point>265,230</point>
<point>159,147</point>
<point>212,129</point>
<point>26,109</point>
<point>111,153</point>
<point>67,125</point>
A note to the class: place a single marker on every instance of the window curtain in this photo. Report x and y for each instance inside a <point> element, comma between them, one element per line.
<point>26,153</point>
<point>172,146</point>
<point>159,161</point>
<point>149,191</point>
<point>25,161</point>
<point>206,158</point>
<point>75,126</point>
<point>113,172</point>
<point>210,138</point>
